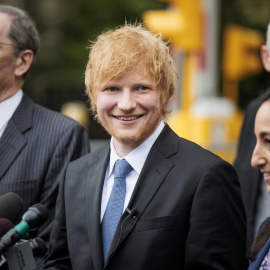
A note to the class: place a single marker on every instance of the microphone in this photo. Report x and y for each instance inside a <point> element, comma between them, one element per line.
<point>34,217</point>
<point>22,255</point>
<point>5,226</point>
<point>39,247</point>
<point>11,207</point>
<point>131,213</point>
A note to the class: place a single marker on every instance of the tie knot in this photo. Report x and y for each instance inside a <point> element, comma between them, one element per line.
<point>122,169</point>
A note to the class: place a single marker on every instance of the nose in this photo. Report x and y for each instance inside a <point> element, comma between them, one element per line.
<point>258,159</point>
<point>126,100</point>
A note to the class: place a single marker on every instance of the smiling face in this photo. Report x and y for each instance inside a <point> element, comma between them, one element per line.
<point>129,109</point>
<point>115,53</point>
<point>261,154</point>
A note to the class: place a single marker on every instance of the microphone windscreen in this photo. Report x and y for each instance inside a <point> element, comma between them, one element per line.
<point>36,215</point>
<point>11,207</point>
<point>5,226</point>
<point>38,246</point>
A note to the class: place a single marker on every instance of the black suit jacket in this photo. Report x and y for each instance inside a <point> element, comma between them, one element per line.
<point>35,149</point>
<point>189,213</point>
<point>249,178</point>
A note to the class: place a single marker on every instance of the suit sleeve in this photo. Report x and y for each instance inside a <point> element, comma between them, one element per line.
<point>73,144</point>
<point>216,239</point>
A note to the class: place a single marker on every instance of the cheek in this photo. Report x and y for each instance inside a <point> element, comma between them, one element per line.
<point>104,103</point>
<point>268,155</point>
<point>155,103</point>
<point>6,62</point>
<point>151,101</point>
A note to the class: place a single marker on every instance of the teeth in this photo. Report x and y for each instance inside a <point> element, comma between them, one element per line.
<point>266,174</point>
<point>128,118</point>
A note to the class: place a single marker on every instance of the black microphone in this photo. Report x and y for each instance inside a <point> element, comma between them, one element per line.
<point>34,217</point>
<point>39,247</point>
<point>11,207</point>
<point>131,213</point>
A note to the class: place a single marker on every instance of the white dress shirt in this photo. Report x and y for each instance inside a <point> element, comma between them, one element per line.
<point>136,159</point>
<point>7,108</point>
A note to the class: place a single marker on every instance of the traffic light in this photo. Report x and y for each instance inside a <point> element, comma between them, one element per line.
<point>241,52</point>
<point>181,23</point>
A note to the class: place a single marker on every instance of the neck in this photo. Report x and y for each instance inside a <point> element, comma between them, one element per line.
<point>9,91</point>
<point>4,96</point>
<point>123,149</point>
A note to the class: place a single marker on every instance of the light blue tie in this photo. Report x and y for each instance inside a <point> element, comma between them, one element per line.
<point>115,204</point>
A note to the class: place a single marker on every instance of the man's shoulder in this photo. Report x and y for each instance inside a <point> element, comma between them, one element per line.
<point>170,141</point>
<point>38,120</point>
<point>53,116</point>
<point>92,158</point>
<point>28,109</point>
<point>197,154</point>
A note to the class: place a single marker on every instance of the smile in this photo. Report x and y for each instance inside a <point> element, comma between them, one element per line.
<point>128,118</point>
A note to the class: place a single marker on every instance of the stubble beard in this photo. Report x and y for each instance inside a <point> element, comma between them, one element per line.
<point>143,133</point>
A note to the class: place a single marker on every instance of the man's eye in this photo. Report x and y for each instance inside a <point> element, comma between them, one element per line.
<point>143,88</point>
<point>112,89</point>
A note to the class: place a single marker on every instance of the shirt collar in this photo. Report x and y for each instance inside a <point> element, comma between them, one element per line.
<point>9,106</point>
<point>137,157</point>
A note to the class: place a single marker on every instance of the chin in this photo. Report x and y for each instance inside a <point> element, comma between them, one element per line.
<point>128,138</point>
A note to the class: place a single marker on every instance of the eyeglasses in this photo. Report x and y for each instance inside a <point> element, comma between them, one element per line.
<point>9,44</point>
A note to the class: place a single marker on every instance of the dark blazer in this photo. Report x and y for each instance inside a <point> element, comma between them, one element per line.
<point>249,178</point>
<point>189,213</point>
<point>35,149</point>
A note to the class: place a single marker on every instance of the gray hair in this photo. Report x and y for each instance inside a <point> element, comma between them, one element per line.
<point>22,30</point>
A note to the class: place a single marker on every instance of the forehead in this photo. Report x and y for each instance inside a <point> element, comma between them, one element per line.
<point>139,73</point>
<point>5,22</point>
<point>262,121</point>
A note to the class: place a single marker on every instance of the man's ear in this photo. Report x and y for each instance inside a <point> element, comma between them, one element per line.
<point>265,54</point>
<point>23,62</point>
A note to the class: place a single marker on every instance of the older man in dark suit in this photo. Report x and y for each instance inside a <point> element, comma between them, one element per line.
<point>36,144</point>
<point>149,199</point>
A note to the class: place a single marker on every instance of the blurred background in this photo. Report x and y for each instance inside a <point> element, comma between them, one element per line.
<point>219,65</point>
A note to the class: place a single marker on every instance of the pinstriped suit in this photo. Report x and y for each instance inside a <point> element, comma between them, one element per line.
<point>35,148</point>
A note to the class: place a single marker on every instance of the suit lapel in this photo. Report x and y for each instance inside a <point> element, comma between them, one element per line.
<point>153,174</point>
<point>94,193</point>
<point>13,141</point>
<point>146,188</point>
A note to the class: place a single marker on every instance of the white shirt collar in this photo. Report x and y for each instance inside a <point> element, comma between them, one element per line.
<point>8,107</point>
<point>137,157</point>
